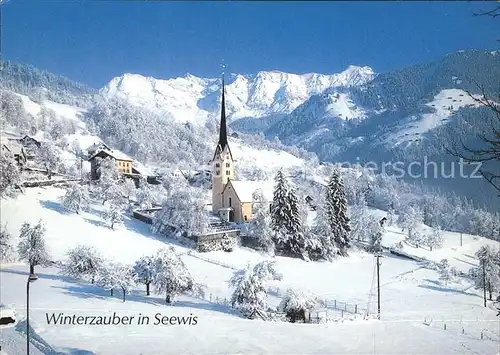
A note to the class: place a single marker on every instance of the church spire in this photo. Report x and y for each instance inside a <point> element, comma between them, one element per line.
<point>223,126</point>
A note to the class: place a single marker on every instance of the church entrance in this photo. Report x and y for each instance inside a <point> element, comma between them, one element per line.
<point>231,216</point>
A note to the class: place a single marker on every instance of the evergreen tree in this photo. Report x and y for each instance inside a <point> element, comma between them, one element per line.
<point>260,225</point>
<point>488,270</point>
<point>286,219</point>
<point>336,211</point>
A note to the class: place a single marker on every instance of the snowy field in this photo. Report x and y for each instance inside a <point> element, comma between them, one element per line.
<point>410,296</point>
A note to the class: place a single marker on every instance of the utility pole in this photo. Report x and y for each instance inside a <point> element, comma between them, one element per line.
<point>31,278</point>
<point>378,285</point>
<point>484,281</point>
<point>460,238</point>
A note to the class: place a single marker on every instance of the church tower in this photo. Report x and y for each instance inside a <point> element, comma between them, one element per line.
<point>222,162</point>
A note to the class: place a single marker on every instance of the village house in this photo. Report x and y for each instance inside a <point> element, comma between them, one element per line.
<point>231,198</point>
<point>122,161</point>
<point>14,150</point>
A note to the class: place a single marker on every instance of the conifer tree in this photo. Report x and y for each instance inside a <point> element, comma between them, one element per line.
<point>285,218</point>
<point>336,211</point>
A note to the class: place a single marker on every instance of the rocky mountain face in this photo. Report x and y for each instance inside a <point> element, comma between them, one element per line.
<point>195,100</point>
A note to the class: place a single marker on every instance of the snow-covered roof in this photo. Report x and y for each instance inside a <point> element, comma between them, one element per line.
<point>245,189</point>
<point>142,169</point>
<point>113,153</point>
<point>11,145</point>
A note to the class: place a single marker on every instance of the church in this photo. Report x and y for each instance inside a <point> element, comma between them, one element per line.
<point>232,199</point>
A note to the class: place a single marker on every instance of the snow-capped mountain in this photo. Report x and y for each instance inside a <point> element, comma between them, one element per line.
<point>195,99</point>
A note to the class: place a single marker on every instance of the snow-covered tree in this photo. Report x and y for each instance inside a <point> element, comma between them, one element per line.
<point>114,213</point>
<point>336,212</point>
<point>7,252</point>
<point>250,294</point>
<point>128,190</point>
<point>323,233</point>
<point>107,185</point>
<point>48,157</point>
<point>31,247</point>
<point>409,219</point>
<point>446,274</point>
<point>376,234</point>
<point>76,198</point>
<point>434,239</point>
<point>295,304</point>
<point>260,225</point>
<point>171,276</point>
<point>266,270</point>
<point>10,177</point>
<point>144,195</point>
<point>185,210</point>
<point>83,262</point>
<point>144,271</point>
<point>116,275</point>
<point>488,270</point>
<point>285,218</point>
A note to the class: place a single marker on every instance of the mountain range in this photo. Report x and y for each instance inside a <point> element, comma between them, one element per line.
<point>356,115</point>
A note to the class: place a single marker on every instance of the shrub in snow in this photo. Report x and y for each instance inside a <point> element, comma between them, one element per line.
<point>84,262</point>
<point>115,275</point>
<point>250,294</point>
<point>76,198</point>
<point>31,247</point>
<point>296,304</point>
<point>144,271</point>
<point>171,276</point>
<point>7,252</point>
<point>10,177</point>
<point>228,243</point>
<point>144,195</point>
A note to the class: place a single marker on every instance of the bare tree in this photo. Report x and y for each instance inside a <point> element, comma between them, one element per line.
<point>490,153</point>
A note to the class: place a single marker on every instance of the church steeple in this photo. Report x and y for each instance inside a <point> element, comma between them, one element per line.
<point>223,125</point>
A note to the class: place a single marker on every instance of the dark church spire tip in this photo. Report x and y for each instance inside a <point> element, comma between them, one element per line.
<point>223,124</point>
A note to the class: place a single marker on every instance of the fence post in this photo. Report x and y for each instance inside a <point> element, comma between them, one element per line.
<point>217,299</point>
<point>345,307</point>
<point>341,313</point>
<point>482,334</point>
<point>444,326</point>
<point>355,308</point>
<point>210,297</point>
<point>335,304</point>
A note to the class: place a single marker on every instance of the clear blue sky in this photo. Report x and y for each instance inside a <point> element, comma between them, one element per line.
<point>94,41</point>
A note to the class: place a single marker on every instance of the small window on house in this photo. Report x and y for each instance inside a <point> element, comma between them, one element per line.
<point>230,202</point>
<point>228,165</point>
<point>228,172</point>
<point>217,172</point>
<point>217,165</point>
<point>245,217</point>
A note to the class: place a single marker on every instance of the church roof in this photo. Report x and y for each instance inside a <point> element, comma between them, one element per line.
<point>245,189</point>
<point>222,143</point>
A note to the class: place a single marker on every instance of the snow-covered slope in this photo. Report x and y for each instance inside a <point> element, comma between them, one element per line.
<point>444,105</point>
<point>410,295</point>
<point>195,99</point>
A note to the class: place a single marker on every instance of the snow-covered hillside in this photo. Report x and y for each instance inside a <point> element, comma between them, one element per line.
<point>196,99</point>
<point>444,105</point>
<point>411,294</point>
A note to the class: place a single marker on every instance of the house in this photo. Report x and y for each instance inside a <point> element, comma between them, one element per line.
<point>97,146</point>
<point>231,198</point>
<point>13,149</point>
<point>122,161</point>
